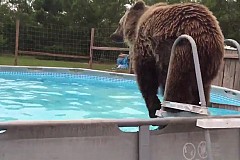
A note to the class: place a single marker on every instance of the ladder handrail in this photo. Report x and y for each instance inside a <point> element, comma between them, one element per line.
<point>196,66</point>
<point>236,44</point>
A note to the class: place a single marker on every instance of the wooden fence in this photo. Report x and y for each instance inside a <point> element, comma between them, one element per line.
<point>229,74</point>
<point>19,51</point>
<point>93,47</point>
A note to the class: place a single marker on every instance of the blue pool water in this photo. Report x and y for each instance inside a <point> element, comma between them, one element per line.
<point>55,96</point>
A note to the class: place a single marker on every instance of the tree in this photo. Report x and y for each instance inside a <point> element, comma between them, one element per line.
<point>76,15</point>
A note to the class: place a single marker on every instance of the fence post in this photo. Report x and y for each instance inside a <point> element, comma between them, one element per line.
<point>17,42</point>
<point>91,50</point>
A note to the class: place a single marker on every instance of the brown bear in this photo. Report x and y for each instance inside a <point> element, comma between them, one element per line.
<point>150,32</point>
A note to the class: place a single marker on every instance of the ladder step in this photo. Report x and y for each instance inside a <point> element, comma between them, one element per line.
<point>186,107</point>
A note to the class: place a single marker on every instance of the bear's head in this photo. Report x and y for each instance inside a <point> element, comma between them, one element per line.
<point>126,30</point>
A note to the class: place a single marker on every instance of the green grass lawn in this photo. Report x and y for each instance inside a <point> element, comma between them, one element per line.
<point>32,61</point>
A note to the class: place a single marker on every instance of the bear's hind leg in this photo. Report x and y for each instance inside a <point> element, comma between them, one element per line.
<point>207,90</point>
<point>178,90</point>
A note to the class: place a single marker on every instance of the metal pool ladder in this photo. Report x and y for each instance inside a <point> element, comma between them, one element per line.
<point>206,124</point>
<point>201,109</point>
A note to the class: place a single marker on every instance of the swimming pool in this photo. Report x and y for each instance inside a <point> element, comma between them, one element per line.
<point>41,93</point>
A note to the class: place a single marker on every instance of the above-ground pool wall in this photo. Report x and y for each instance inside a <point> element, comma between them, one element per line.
<point>229,74</point>
<point>102,140</point>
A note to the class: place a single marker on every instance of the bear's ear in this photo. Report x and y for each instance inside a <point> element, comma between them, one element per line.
<point>139,5</point>
<point>128,6</point>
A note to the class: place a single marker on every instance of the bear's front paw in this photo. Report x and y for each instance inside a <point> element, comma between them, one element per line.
<point>153,110</point>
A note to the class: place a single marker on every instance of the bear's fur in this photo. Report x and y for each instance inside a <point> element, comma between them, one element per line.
<point>150,32</point>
